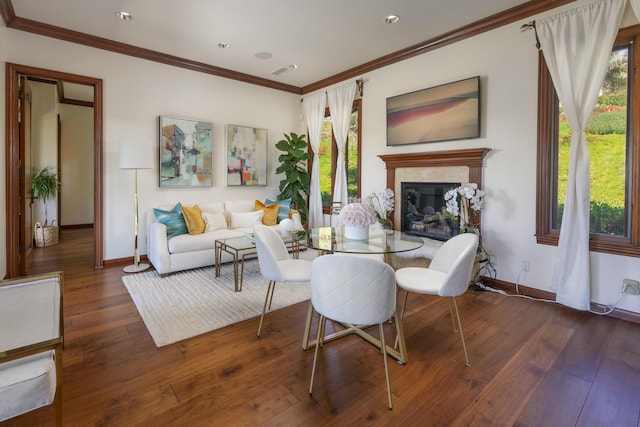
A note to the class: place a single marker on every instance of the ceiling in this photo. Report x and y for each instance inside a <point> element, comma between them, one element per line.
<point>324,38</point>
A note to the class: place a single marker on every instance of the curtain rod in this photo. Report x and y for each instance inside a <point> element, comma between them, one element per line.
<point>531,26</point>
<point>359,84</point>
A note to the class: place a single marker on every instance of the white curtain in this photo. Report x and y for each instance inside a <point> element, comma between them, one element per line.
<point>577,46</point>
<point>635,5</point>
<point>314,111</point>
<point>340,106</point>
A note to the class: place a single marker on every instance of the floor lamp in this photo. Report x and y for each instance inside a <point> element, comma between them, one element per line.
<point>134,155</point>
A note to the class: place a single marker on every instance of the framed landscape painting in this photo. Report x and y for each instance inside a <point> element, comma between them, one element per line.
<point>442,113</point>
<point>186,158</point>
<point>246,156</point>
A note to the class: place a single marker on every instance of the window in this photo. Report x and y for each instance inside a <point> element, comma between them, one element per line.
<point>328,157</point>
<point>613,135</point>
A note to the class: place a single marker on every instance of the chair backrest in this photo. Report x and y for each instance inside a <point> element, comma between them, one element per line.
<point>456,258</point>
<point>271,250</point>
<point>30,310</point>
<point>353,289</point>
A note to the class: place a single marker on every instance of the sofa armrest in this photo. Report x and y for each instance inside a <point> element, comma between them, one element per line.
<point>158,248</point>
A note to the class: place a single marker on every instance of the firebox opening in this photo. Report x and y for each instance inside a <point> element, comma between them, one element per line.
<point>422,210</point>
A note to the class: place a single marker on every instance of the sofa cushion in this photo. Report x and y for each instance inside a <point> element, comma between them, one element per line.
<point>212,207</point>
<point>186,243</point>
<point>270,212</point>
<point>193,219</point>
<point>245,219</point>
<point>284,207</point>
<point>173,220</point>
<point>238,205</point>
<point>214,221</point>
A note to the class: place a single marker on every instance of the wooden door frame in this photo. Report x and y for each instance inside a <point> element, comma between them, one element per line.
<point>13,164</point>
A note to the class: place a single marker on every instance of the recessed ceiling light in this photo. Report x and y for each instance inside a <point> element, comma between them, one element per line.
<point>263,55</point>
<point>125,16</point>
<point>391,19</point>
<point>294,66</point>
<point>223,45</point>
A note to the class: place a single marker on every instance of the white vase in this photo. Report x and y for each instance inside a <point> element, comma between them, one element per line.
<point>356,233</point>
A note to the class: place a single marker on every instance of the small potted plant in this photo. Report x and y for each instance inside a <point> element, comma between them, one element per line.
<point>382,204</point>
<point>470,197</point>
<point>45,185</point>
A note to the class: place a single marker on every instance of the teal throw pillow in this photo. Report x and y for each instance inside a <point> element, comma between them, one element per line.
<point>173,220</point>
<point>284,206</point>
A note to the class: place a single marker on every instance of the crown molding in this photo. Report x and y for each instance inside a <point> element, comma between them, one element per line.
<point>508,16</point>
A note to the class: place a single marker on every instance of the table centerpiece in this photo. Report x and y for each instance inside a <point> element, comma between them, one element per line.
<point>356,218</point>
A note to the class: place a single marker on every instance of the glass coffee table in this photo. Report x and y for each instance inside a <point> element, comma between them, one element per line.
<point>241,247</point>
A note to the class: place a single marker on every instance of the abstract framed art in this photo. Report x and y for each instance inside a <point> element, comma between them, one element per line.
<point>441,113</point>
<point>186,155</point>
<point>246,156</point>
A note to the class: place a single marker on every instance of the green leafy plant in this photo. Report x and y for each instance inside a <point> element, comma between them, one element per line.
<point>296,184</point>
<point>45,185</point>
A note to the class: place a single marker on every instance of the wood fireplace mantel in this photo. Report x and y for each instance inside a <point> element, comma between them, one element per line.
<point>472,158</point>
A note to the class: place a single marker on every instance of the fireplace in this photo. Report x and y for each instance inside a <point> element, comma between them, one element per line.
<point>422,210</point>
<point>450,167</point>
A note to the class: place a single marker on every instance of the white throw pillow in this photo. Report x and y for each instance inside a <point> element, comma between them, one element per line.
<point>213,221</point>
<point>246,219</point>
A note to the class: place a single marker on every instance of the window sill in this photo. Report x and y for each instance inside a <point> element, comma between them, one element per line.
<point>610,245</point>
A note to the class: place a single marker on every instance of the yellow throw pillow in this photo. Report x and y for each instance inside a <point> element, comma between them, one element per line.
<point>193,218</point>
<point>270,213</point>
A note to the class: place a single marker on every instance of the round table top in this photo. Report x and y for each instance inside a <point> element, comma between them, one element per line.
<point>378,241</point>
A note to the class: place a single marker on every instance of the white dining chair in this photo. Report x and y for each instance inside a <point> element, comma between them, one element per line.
<point>352,290</point>
<point>448,275</point>
<point>31,339</point>
<point>276,264</point>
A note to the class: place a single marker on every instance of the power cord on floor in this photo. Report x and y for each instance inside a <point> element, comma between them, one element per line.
<point>609,308</point>
<point>487,269</point>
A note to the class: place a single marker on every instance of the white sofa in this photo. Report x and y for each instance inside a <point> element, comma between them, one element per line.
<point>188,251</point>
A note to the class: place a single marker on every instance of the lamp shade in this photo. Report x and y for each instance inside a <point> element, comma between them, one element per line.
<point>134,154</point>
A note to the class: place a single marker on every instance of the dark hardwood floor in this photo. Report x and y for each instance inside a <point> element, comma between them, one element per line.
<point>533,364</point>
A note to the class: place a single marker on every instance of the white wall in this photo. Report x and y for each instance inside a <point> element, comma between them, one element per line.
<point>76,165</point>
<point>506,60</point>
<point>44,144</point>
<point>136,92</point>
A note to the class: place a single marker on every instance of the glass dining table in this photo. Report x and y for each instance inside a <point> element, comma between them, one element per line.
<point>379,241</point>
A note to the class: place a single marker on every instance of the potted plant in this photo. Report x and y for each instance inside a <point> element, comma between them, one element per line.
<point>296,184</point>
<point>45,185</point>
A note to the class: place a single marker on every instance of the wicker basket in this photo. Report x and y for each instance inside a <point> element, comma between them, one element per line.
<point>46,236</point>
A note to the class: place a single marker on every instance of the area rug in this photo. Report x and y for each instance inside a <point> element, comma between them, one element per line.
<point>189,303</point>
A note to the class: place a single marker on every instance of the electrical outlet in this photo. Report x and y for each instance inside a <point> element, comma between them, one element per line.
<point>631,286</point>
<point>525,266</point>
<point>493,259</point>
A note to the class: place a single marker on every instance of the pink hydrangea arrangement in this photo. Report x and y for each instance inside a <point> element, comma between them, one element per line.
<point>357,215</point>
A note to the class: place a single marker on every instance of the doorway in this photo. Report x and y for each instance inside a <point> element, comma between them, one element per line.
<point>16,256</point>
